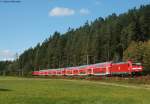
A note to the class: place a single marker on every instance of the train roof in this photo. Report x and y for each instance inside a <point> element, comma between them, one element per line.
<point>83,66</point>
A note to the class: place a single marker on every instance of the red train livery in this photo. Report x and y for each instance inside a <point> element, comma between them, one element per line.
<point>99,69</point>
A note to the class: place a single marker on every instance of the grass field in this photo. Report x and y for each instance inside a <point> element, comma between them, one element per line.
<point>46,91</point>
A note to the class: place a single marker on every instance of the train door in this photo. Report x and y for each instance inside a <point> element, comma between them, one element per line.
<point>89,71</point>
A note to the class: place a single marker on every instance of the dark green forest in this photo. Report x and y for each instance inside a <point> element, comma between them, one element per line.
<point>114,38</point>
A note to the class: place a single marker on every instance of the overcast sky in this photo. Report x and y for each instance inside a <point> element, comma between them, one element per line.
<point>25,23</point>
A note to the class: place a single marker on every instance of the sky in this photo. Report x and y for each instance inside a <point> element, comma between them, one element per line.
<point>24,23</point>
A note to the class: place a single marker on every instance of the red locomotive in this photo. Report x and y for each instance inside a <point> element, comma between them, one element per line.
<point>99,69</point>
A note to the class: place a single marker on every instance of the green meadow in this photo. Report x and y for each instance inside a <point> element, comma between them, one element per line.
<point>15,90</point>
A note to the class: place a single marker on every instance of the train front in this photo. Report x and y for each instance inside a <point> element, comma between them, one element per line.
<point>137,67</point>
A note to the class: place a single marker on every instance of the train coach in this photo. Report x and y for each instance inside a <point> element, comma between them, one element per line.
<point>99,69</point>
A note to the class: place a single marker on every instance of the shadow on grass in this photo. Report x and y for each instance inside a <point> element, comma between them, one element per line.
<point>3,90</point>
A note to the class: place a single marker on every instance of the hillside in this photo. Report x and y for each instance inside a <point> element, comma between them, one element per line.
<point>104,39</point>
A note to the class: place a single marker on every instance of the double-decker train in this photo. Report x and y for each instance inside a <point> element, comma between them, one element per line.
<point>99,69</point>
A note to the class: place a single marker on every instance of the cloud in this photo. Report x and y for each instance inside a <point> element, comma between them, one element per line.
<point>6,55</point>
<point>97,2</point>
<point>84,11</point>
<point>61,11</point>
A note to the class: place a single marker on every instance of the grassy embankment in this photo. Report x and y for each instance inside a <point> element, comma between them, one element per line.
<point>15,90</point>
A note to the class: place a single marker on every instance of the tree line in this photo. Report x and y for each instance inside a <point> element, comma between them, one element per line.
<point>114,38</point>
